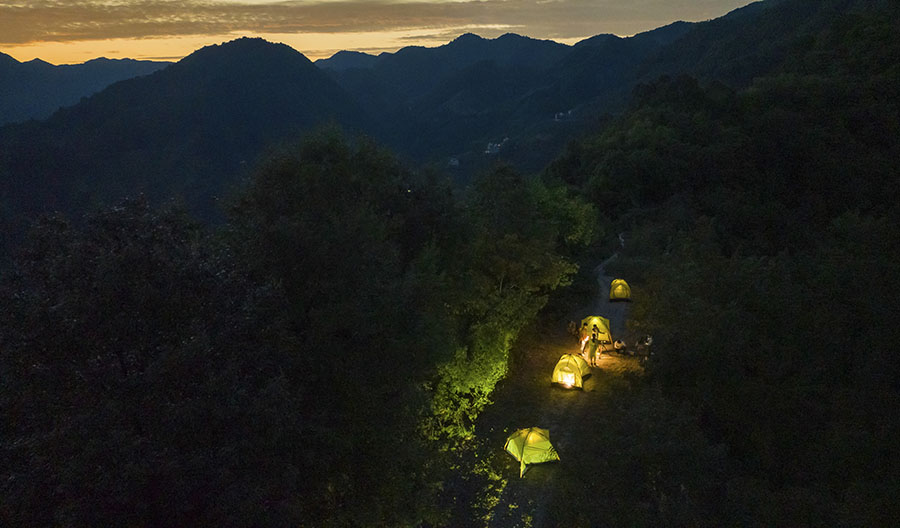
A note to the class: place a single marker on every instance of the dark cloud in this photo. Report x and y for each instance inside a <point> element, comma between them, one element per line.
<point>23,21</point>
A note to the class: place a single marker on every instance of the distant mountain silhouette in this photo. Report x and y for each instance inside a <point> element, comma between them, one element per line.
<point>452,100</point>
<point>598,74</point>
<point>346,60</point>
<point>394,78</point>
<point>189,129</point>
<point>197,126</point>
<point>35,89</point>
<point>431,105</point>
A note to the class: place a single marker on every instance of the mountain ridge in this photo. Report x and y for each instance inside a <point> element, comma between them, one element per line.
<point>196,126</point>
<point>35,89</point>
<point>175,130</point>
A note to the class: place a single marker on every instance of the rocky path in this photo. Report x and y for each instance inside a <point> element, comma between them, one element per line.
<point>528,399</point>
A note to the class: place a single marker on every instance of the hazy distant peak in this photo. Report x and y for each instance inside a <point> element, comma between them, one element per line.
<point>38,63</point>
<point>350,53</point>
<point>247,41</point>
<point>513,36</point>
<point>245,56</point>
<point>347,60</point>
<point>467,37</point>
<point>107,60</point>
<point>597,40</point>
<point>246,45</point>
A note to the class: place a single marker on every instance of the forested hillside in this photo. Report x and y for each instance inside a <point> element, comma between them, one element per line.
<point>433,104</point>
<point>190,131</point>
<point>322,356</point>
<point>761,234</point>
<point>36,89</point>
<point>197,128</point>
<point>310,362</point>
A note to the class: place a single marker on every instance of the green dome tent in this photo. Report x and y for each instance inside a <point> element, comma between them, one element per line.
<point>602,324</point>
<point>619,290</point>
<point>530,446</point>
<point>599,326</point>
<point>570,371</point>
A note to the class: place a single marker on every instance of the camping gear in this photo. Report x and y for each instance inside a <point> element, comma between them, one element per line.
<point>619,290</point>
<point>530,446</point>
<point>570,371</point>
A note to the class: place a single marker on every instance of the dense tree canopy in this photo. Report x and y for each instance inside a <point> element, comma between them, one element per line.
<point>119,339</point>
<point>323,357</point>
<point>761,235</point>
<point>292,366</point>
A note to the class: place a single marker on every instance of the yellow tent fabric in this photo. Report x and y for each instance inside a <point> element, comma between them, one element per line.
<point>619,290</point>
<point>570,371</point>
<point>602,324</point>
<point>530,446</point>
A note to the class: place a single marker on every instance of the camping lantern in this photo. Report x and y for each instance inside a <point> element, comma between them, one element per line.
<point>568,379</point>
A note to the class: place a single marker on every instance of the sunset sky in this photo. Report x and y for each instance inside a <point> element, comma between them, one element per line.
<point>73,31</point>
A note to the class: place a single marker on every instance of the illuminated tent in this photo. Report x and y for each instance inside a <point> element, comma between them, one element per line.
<point>570,371</point>
<point>530,446</point>
<point>602,324</point>
<point>619,290</point>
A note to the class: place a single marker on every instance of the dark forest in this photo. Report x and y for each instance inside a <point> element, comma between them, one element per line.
<point>329,347</point>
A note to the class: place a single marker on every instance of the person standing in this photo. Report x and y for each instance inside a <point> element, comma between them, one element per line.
<point>594,350</point>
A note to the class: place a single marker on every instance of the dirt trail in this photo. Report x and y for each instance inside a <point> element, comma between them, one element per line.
<point>527,399</point>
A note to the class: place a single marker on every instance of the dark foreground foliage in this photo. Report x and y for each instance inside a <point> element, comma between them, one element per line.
<point>143,378</point>
<point>304,365</point>
<point>322,358</point>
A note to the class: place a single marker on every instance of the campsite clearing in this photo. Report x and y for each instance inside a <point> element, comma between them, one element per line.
<point>528,399</point>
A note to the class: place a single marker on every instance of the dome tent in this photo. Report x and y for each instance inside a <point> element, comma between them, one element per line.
<point>570,371</point>
<point>595,337</point>
<point>619,290</point>
<point>602,324</point>
<point>530,446</point>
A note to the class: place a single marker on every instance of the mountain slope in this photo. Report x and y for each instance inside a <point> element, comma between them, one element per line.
<point>347,60</point>
<point>190,129</point>
<point>450,101</point>
<point>36,89</point>
<point>598,74</point>
<point>431,109</point>
<point>393,79</point>
<point>194,127</point>
<point>750,41</point>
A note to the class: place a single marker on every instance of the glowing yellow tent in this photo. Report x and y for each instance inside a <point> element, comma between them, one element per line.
<point>530,446</point>
<point>619,290</point>
<point>570,371</point>
<point>602,324</point>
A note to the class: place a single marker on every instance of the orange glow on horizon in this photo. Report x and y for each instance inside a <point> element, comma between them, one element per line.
<point>74,32</point>
<point>313,45</point>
